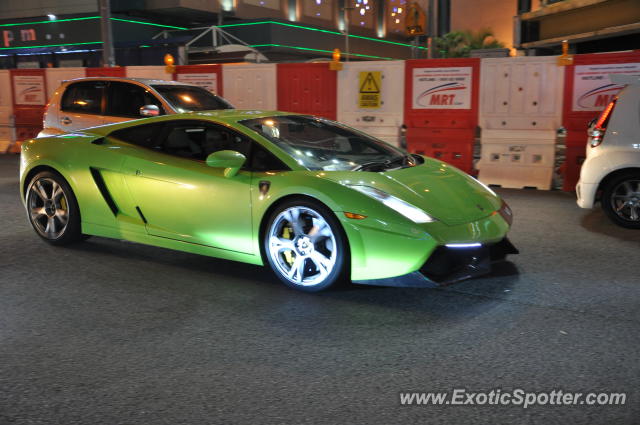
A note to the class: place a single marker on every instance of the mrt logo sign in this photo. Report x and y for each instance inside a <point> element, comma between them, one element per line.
<point>592,87</point>
<point>442,88</point>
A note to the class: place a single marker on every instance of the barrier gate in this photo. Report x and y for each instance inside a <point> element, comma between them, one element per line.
<point>441,108</point>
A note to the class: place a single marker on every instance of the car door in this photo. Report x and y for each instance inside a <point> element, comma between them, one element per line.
<point>124,100</point>
<point>81,105</point>
<point>180,197</point>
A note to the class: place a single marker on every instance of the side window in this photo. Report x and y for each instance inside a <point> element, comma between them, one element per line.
<point>145,135</point>
<point>197,140</point>
<point>84,97</point>
<point>263,160</point>
<point>125,100</point>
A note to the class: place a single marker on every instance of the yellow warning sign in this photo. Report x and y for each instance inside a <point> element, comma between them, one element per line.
<point>370,96</point>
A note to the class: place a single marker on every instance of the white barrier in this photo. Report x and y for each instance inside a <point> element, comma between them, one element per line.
<point>154,72</point>
<point>5,89</point>
<point>6,130</point>
<point>521,93</point>
<point>517,158</point>
<point>371,98</point>
<point>250,86</point>
<point>520,111</point>
<point>6,109</point>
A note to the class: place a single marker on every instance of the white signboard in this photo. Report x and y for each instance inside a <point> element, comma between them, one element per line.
<point>207,81</point>
<point>442,88</point>
<point>592,88</point>
<point>29,89</point>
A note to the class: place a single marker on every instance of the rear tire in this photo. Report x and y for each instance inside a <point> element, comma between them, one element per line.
<point>305,245</point>
<point>621,200</point>
<point>52,209</point>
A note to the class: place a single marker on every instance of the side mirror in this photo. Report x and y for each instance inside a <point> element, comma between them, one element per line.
<point>149,111</point>
<point>231,161</point>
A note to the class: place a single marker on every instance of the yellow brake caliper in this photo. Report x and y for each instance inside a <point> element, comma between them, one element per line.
<point>286,233</point>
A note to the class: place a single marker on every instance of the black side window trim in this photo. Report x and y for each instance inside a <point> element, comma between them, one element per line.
<point>165,129</point>
<point>160,133</point>
<point>107,100</point>
<point>103,96</point>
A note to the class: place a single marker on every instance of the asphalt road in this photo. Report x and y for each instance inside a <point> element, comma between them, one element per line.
<point>108,332</point>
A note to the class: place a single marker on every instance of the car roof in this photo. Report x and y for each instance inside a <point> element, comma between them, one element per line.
<point>146,81</point>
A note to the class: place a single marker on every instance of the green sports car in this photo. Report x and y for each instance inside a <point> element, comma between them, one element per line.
<point>317,201</point>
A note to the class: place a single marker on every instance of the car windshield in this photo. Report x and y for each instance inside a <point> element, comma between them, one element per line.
<point>320,144</point>
<point>191,98</point>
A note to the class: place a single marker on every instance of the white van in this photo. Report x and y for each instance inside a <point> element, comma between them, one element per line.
<point>611,172</point>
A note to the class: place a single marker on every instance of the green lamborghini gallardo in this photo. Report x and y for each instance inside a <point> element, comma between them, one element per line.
<point>317,201</point>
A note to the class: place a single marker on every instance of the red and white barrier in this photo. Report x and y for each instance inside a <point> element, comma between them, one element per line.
<point>519,103</point>
<point>441,108</point>
<point>29,94</point>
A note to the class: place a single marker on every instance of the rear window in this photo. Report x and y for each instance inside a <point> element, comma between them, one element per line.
<point>84,97</point>
<point>191,98</point>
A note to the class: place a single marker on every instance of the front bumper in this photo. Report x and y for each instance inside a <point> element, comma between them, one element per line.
<point>448,265</point>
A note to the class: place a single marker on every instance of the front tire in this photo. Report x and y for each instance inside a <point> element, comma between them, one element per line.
<point>305,246</point>
<point>621,200</point>
<point>52,209</point>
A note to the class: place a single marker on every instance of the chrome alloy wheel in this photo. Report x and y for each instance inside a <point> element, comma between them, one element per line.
<point>625,200</point>
<point>302,246</point>
<point>48,208</point>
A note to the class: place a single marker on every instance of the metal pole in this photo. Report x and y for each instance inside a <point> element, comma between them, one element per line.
<point>347,9</point>
<point>108,57</point>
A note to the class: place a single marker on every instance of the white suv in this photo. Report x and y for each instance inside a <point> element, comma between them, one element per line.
<point>611,172</point>
<point>88,102</point>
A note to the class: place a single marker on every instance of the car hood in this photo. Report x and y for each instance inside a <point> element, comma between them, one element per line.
<point>443,191</point>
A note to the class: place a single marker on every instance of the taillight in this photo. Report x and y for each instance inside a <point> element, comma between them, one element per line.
<point>597,134</point>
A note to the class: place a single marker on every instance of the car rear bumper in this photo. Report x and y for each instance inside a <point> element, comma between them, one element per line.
<point>450,264</point>
<point>586,194</point>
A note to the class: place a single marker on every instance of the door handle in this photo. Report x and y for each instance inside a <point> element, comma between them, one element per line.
<point>66,120</point>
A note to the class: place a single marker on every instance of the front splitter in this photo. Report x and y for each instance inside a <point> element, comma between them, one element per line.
<point>449,265</point>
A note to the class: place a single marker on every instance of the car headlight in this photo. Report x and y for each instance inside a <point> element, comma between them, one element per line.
<point>413,213</point>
